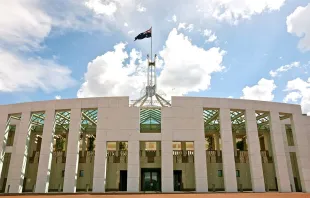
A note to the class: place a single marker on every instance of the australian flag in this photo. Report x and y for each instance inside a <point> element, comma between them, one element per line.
<point>146,34</point>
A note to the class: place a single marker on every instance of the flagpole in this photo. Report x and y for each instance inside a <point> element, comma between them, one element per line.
<point>152,60</point>
<point>151,43</point>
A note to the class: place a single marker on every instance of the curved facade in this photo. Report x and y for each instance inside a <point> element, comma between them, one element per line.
<point>197,144</point>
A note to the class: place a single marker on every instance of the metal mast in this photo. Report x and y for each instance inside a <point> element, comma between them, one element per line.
<point>151,87</point>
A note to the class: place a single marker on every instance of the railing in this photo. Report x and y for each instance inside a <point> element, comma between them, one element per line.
<point>180,156</point>
<point>214,156</point>
<point>242,157</point>
<point>117,156</point>
<point>266,158</point>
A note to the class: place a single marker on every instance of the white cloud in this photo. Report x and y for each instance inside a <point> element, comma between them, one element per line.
<point>210,36</point>
<point>174,18</point>
<point>58,97</point>
<point>235,10</point>
<point>299,89</point>
<point>131,31</point>
<point>230,97</point>
<point>187,68</point>
<point>186,26</point>
<point>184,68</point>
<point>107,75</point>
<point>99,7</point>
<point>126,24</point>
<point>284,68</point>
<point>27,75</point>
<point>298,24</point>
<point>140,8</point>
<point>293,96</point>
<point>262,91</point>
<point>23,24</point>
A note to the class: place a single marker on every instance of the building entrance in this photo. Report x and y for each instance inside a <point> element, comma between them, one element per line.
<point>123,180</point>
<point>150,179</point>
<point>177,180</point>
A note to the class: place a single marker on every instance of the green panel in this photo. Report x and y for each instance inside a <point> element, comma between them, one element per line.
<point>150,120</point>
<point>150,116</point>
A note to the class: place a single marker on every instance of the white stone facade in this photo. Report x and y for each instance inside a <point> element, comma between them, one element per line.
<point>183,121</point>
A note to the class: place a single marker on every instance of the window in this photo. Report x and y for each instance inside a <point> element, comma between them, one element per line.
<point>63,173</point>
<point>238,173</point>
<point>176,146</point>
<point>189,146</point>
<point>150,146</point>
<point>81,173</point>
<point>111,146</point>
<point>220,173</point>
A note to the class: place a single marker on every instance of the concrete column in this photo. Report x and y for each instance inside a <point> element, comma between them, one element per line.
<point>46,152</point>
<point>133,180</point>
<point>167,166</point>
<point>266,142</point>
<point>300,132</point>
<point>256,169</point>
<point>19,155</point>
<point>288,158</point>
<point>183,147</point>
<point>72,156</point>
<point>158,148</point>
<point>277,144</point>
<point>229,167</point>
<point>84,144</point>
<point>234,142</point>
<point>4,131</point>
<point>200,166</point>
<point>100,163</point>
<point>217,141</point>
<point>142,148</point>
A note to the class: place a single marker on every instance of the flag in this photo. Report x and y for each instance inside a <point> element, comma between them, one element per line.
<point>146,34</point>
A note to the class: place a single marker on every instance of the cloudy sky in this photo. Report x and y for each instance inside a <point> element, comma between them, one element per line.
<point>250,49</point>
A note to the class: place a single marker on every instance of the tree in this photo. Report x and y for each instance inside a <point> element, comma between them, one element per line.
<point>91,145</point>
<point>210,141</point>
<point>122,146</point>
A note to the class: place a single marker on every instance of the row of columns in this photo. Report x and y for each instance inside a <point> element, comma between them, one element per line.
<point>19,156</point>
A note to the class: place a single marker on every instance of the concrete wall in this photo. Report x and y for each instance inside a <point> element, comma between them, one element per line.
<point>181,122</point>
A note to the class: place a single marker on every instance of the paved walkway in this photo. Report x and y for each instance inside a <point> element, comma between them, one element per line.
<point>209,195</point>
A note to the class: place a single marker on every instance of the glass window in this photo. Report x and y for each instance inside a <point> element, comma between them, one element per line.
<point>189,146</point>
<point>81,173</point>
<point>111,146</point>
<point>63,173</point>
<point>220,173</point>
<point>237,173</point>
<point>150,146</point>
<point>176,146</point>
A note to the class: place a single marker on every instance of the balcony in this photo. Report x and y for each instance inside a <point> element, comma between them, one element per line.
<point>117,156</point>
<point>180,156</point>
<point>214,156</point>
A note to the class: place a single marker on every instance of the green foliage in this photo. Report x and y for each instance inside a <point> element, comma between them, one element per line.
<point>122,146</point>
<point>60,144</point>
<point>91,145</point>
<point>210,141</point>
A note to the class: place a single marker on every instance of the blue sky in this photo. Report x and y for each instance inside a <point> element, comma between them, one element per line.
<point>85,48</point>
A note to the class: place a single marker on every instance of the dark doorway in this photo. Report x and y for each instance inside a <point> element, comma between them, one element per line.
<point>3,185</point>
<point>24,185</point>
<point>276,181</point>
<point>123,180</point>
<point>150,179</point>
<point>177,180</point>
<point>296,185</point>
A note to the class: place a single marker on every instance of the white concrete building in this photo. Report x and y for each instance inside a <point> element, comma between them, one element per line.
<point>197,144</point>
